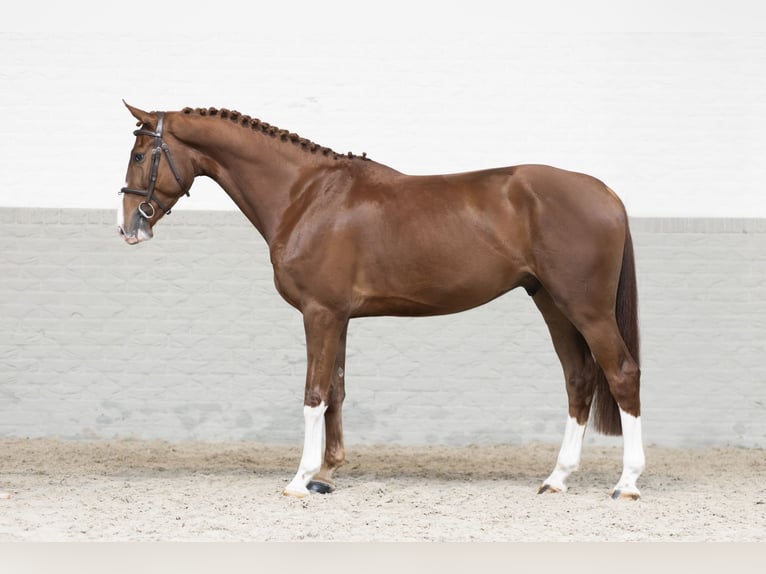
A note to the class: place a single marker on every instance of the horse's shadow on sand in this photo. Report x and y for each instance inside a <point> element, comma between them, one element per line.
<point>517,465</point>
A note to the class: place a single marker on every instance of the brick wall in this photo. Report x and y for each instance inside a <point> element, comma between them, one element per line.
<point>185,338</point>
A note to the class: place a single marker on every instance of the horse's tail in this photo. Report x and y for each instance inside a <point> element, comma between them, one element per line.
<point>606,413</point>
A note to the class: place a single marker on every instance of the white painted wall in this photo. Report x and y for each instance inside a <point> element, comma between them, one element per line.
<point>665,101</point>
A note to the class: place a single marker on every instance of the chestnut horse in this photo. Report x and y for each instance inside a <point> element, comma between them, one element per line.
<point>349,237</point>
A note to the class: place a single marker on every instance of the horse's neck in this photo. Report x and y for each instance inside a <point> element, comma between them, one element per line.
<point>256,170</point>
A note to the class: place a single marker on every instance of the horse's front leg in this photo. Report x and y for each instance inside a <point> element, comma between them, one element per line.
<point>334,452</point>
<point>323,341</point>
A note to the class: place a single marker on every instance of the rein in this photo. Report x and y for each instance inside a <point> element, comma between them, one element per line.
<point>145,208</point>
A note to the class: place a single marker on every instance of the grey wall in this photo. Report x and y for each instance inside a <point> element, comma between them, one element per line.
<point>186,338</point>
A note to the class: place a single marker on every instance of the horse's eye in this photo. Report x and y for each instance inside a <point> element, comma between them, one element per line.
<point>138,158</point>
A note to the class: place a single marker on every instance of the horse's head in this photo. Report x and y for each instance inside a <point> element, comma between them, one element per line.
<point>152,186</point>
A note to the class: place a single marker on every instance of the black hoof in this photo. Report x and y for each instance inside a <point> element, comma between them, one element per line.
<point>616,495</point>
<point>320,487</point>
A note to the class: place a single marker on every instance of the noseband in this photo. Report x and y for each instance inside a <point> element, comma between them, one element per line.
<point>145,208</point>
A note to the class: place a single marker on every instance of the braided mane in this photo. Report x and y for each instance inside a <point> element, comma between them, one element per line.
<point>269,130</point>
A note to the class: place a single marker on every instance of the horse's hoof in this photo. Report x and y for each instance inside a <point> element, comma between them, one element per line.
<point>547,488</point>
<point>625,495</point>
<point>320,487</point>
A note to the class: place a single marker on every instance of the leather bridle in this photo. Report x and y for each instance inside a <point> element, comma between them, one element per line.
<point>145,208</point>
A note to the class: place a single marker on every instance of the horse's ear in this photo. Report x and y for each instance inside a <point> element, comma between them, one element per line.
<point>144,118</point>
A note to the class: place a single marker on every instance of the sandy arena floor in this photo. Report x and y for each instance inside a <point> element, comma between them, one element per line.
<point>156,491</point>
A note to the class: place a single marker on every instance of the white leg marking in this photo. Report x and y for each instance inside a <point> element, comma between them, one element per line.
<point>633,458</point>
<point>569,456</point>
<point>313,449</point>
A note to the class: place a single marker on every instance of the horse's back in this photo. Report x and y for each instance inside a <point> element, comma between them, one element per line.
<point>578,193</point>
<point>390,243</point>
<point>513,211</point>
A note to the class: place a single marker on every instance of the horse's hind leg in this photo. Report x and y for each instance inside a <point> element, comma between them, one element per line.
<point>579,374</point>
<point>623,376</point>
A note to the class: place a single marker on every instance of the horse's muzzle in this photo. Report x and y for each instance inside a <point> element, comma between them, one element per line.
<point>138,230</point>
